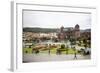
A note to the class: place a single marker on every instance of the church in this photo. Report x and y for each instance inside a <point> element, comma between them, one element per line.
<point>70,32</point>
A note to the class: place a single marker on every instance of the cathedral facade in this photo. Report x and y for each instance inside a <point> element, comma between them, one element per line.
<point>69,32</point>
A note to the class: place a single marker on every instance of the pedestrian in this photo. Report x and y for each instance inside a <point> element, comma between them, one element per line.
<point>75,56</point>
<point>75,53</point>
<point>49,51</point>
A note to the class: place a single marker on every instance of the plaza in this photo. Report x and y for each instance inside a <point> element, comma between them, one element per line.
<point>60,45</point>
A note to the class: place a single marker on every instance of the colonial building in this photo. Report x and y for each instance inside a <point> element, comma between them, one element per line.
<point>69,32</point>
<point>30,36</point>
<point>86,34</point>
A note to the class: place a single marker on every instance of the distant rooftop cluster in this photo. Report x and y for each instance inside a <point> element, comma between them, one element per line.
<point>61,33</point>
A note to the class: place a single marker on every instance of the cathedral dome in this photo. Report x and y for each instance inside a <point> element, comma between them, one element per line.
<point>77,26</point>
<point>62,27</point>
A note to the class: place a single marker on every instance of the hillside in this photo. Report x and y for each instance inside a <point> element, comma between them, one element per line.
<point>44,30</point>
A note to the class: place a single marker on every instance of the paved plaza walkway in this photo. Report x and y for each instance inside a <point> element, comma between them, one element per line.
<point>41,58</point>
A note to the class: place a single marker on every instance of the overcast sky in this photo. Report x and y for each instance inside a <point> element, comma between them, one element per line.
<point>56,19</point>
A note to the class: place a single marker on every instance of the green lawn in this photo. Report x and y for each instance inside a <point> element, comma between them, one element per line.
<point>27,50</point>
<point>52,51</point>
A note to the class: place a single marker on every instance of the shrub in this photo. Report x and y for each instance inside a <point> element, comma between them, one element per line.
<point>62,46</point>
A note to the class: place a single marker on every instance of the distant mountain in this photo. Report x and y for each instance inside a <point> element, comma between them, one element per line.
<point>47,30</point>
<point>37,30</point>
<point>86,30</point>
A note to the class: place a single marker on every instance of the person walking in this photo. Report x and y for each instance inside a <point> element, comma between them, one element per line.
<point>49,51</point>
<point>75,53</point>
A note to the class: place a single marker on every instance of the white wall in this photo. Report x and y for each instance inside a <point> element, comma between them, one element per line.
<point>5,35</point>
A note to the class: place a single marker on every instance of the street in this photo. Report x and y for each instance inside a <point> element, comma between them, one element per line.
<point>42,58</point>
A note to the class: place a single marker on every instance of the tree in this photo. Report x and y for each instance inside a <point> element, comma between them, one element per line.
<point>62,46</point>
<point>85,43</point>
